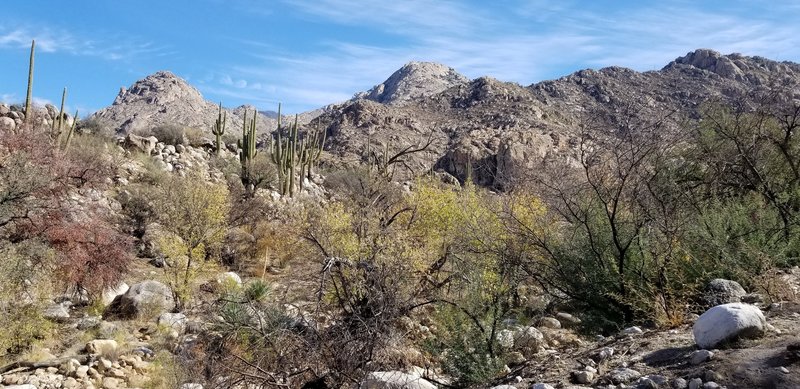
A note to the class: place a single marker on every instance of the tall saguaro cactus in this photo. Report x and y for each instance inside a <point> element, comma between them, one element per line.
<point>28,99</point>
<point>58,123</point>
<point>247,152</point>
<point>219,127</point>
<point>294,157</point>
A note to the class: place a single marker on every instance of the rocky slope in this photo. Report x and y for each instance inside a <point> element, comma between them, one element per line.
<point>503,128</point>
<point>412,81</point>
<point>166,99</point>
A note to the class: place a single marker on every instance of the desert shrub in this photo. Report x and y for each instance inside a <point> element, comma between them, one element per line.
<point>93,255</point>
<point>194,213</point>
<point>170,134</point>
<point>93,160</point>
<point>26,271</point>
<point>137,208</point>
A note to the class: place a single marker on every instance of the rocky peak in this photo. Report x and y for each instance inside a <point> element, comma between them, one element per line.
<point>414,80</point>
<point>732,66</point>
<point>159,87</point>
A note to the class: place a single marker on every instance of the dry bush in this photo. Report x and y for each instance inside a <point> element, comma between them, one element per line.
<point>94,255</point>
<point>775,285</point>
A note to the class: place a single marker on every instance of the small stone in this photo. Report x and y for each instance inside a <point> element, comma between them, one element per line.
<point>541,386</point>
<point>70,366</point>
<point>70,383</point>
<point>695,383</point>
<point>566,318</point>
<point>646,383</point>
<point>583,377</point>
<point>549,322</point>
<point>700,356</point>
<point>784,370</point>
<point>110,383</point>
<point>623,375</point>
<point>711,375</point>
<point>590,369</point>
<point>106,347</point>
<point>632,331</point>
<point>82,371</point>
<point>103,364</point>
<point>679,383</point>
<point>711,385</point>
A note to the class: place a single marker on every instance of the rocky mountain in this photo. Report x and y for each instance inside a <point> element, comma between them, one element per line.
<point>412,81</point>
<point>163,98</point>
<point>502,128</point>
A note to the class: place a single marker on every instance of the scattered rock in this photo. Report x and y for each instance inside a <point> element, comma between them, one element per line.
<point>623,375</point>
<point>700,356</point>
<point>7,124</point>
<point>529,339</point>
<point>57,312</point>
<point>109,294</point>
<point>175,321</point>
<point>632,331</point>
<point>727,322</point>
<point>148,297</point>
<point>105,347</point>
<point>583,377</point>
<point>143,144</point>
<point>541,386</point>
<point>549,322</point>
<point>395,380</point>
<point>720,291</point>
<point>567,320</point>
<point>695,383</point>
<point>679,383</point>
<point>711,375</point>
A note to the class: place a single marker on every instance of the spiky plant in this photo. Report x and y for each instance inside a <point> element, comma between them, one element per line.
<point>219,128</point>
<point>28,99</point>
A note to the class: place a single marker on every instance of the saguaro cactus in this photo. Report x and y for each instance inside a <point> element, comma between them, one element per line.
<point>28,101</point>
<point>71,130</point>
<point>58,122</point>
<point>247,151</point>
<point>219,127</point>
<point>294,157</point>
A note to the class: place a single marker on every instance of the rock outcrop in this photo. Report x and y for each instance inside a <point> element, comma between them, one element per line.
<point>164,99</point>
<point>412,81</point>
<point>505,131</point>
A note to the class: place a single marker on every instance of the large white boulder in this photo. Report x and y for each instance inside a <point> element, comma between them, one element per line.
<point>727,322</point>
<point>145,298</point>
<point>395,380</point>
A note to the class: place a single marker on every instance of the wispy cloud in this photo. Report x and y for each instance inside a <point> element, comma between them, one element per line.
<point>52,40</point>
<point>521,41</point>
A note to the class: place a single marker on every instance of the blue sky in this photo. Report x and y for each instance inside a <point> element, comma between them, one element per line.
<point>307,53</point>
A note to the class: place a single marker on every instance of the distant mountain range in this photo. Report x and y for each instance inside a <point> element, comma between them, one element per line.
<point>499,128</point>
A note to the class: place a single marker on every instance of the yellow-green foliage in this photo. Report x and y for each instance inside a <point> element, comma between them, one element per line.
<point>194,213</point>
<point>23,292</point>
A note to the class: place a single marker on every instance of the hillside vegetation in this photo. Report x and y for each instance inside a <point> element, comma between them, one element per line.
<point>156,260</point>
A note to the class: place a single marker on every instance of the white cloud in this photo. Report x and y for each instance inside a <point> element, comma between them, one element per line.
<point>51,40</point>
<point>529,42</point>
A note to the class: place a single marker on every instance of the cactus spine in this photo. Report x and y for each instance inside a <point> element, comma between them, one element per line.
<point>247,151</point>
<point>28,101</point>
<point>219,127</point>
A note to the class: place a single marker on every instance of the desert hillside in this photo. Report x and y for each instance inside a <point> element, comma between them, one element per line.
<point>607,229</point>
